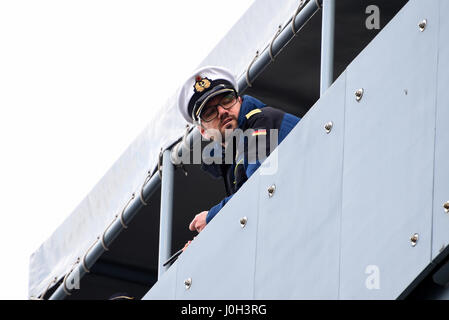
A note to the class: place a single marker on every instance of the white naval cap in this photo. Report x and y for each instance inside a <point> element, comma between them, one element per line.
<point>202,85</point>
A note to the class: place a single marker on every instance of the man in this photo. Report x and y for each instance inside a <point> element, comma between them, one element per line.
<point>209,99</point>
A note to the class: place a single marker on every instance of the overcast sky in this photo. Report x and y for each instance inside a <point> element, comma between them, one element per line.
<point>78,82</point>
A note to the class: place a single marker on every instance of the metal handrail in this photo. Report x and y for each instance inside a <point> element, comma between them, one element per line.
<point>94,252</point>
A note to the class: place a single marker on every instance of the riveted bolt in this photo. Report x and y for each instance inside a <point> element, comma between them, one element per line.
<point>243,222</point>
<point>271,190</point>
<point>422,25</point>
<point>414,239</point>
<point>188,283</point>
<point>446,207</point>
<point>328,127</point>
<point>359,94</point>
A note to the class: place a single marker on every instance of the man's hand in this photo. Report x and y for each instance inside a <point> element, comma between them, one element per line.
<point>199,222</point>
<point>187,244</point>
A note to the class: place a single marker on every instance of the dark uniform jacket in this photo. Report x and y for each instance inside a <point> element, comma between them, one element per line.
<point>255,119</point>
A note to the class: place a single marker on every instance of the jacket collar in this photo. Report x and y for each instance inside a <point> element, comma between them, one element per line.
<point>248,104</point>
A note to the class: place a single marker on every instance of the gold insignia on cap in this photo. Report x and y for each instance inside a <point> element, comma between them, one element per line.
<point>201,84</point>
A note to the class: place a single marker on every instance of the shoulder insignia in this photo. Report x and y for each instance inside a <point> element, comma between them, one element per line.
<point>253,112</point>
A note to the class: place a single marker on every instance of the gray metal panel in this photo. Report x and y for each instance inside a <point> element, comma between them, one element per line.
<point>371,208</point>
<point>220,261</point>
<point>441,193</point>
<point>327,45</point>
<point>164,289</point>
<point>299,226</point>
<point>166,215</point>
<point>388,157</point>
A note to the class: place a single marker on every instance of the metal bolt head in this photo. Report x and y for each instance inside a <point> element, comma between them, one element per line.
<point>188,283</point>
<point>243,222</point>
<point>414,239</point>
<point>271,190</point>
<point>359,94</point>
<point>328,127</point>
<point>446,207</point>
<point>422,25</point>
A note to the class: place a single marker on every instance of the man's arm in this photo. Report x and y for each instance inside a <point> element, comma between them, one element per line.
<point>201,219</point>
<point>215,209</point>
<point>262,126</point>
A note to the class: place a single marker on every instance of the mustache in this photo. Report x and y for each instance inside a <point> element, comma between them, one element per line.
<point>226,120</point>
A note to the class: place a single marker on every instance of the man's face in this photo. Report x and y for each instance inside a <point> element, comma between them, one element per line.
<point>225,122</point>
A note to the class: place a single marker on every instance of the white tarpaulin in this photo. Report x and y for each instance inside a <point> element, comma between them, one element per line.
<point>72,239</point>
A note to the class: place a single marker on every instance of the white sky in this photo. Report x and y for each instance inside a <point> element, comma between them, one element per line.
<point>78,82</point>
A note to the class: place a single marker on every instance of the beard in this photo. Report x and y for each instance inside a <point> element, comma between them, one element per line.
<point>228,127</point>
